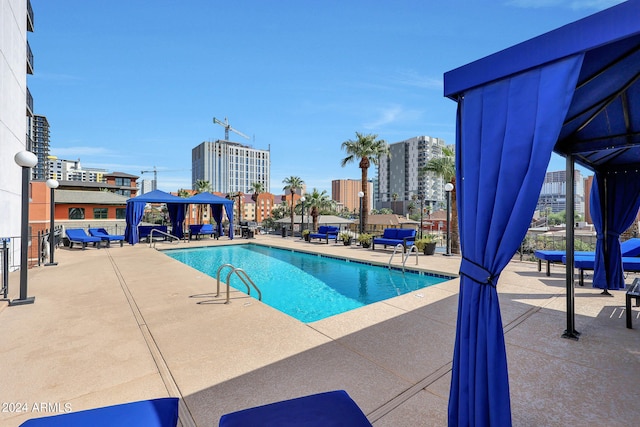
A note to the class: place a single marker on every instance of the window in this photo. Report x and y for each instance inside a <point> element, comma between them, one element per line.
<point>76,213</point>
<point>123,182</point>
<point>121,213</point>
<point>100,213</point>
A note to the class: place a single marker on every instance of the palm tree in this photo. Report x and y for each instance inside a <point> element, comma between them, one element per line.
<point>292,184</point>
<point>394,198</point>
<point>257,188</point>
<point>183,193</point>
<point>318,202</point>
<point>368,149</point>
<point>202,186</point>
<point>445,167</point>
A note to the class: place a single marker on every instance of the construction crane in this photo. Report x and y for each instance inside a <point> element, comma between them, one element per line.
<point>227,128</point>
<point>154,186</point>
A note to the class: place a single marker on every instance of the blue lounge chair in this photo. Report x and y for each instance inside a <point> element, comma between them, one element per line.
<point>587,262</point>
<point>197,230</point>
<point>102,233</point>
<point>629,248</point>
<point>78,235</point>
<point>333,408</point>
<point>161,412</point>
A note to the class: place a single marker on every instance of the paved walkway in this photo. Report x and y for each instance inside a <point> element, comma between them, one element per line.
<point>115,325</point>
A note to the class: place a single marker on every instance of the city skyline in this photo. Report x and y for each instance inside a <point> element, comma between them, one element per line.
<point>127,87</point>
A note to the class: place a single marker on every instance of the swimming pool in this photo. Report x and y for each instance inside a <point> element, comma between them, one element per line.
<point>305,286</point>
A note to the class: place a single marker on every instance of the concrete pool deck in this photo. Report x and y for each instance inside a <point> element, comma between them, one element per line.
<point>117,325</point>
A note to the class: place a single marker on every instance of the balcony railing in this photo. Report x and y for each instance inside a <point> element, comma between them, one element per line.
<point>29,16</point>
<point>29,59</point>
<point>29,103</point>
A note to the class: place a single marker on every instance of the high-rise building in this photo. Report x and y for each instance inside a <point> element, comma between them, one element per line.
<point>553,195</point>
<point>72,170</point>
<point>399,177</point>
<point>345,192</point>
<point>40,147</point>
<point>230,167</point>
<point>16,61</point>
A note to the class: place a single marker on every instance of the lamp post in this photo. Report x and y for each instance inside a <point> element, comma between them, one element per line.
<point>448,188</point>
<point>26,160</point>
<point>52,184</point>
<point>421,213</point>
<point>302,200</point>
<point>360,196</point>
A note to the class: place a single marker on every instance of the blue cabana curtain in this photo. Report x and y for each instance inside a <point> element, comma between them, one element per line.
<point>506,133</point>
<point>216,211</point>
<point>617,194</point>
<point>176,216</point>
<point>134,213</point>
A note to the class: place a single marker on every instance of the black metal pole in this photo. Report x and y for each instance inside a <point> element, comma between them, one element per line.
<point>421,214</point>
<point>52,232</point>
<point>570,332</point>
<point>24,242</point>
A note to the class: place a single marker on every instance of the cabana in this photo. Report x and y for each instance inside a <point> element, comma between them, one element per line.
<point>574,91</point>
<point>216,203</point>
<point>176,207</point>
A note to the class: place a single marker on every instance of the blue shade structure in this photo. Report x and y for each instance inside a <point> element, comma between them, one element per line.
<point>573,91</point>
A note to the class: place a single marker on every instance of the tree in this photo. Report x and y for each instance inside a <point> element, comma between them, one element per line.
<point>183,193</point>
<point>445,167</point>
<point>318,202</point>
<point>292,184</point>
<point>368,149</point>
<point>202,186</point>
<point>257,188</point>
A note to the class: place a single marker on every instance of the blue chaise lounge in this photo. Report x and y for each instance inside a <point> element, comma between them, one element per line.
<point>629,248</point>
<point>144,232</point>
<point>325,232</point>
<point>395,236</point>
<point>78,235</point>
<point>197,230</point>
<point>106,237</point>
<point>587,262</point>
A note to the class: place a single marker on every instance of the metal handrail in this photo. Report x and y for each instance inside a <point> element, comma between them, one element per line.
<point>409,254</point>
<point>244,277</point>
<point>152,242</point>
<point>399,245</point>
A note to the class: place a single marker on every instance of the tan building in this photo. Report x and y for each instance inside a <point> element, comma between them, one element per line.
<point>345,192</point>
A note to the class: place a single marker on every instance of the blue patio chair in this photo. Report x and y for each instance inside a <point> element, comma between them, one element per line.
<point>333,408</point>
<point>161,412</point>
<point>102,234</point>
<point>78,235</point>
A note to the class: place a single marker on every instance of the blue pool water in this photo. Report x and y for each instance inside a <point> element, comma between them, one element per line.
<point>307,287</point>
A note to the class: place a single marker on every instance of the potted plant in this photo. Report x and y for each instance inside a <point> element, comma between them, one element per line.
<point>345,236</point>
<point>305,234</point>
<point>365,240</point>
<point>427,244</point>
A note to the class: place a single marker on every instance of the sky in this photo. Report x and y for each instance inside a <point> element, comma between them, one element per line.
<point>129,85</point>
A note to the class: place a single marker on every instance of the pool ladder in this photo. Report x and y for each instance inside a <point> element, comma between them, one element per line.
<point>242,275</point>
<point>405,256</point>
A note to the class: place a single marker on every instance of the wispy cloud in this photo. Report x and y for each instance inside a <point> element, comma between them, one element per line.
<point>570,4</point>
<point>391,114</point>
<point>414,79</point>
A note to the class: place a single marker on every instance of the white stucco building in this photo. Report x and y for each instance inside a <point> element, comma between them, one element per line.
<point>16,61</point>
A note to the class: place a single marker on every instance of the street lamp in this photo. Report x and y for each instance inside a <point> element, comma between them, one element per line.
<point>26,160</point>
<point>52,184</point>
<point>302,200</point>
<point>361,195</point>
<point>448,188</point>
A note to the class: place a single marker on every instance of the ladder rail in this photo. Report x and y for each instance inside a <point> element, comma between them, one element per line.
<point>152,243</point>
<point>395,249</point>
<point>242,275</point>
<point>412,249</point>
